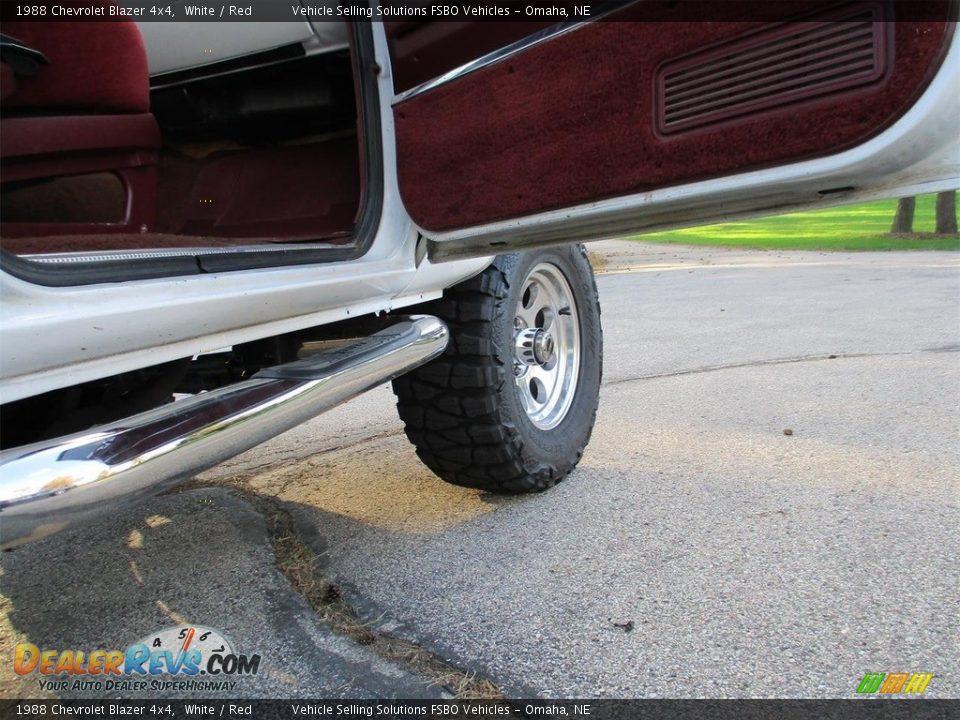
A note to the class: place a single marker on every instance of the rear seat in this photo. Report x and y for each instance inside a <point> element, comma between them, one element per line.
<point>83,112</point>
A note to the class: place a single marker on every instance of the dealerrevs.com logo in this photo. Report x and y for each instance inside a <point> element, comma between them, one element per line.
<point>901,683</point>
<point>183,653</point>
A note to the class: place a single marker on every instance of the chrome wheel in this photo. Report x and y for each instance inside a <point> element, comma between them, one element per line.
<point>546,346</point>
<point>510,405</point>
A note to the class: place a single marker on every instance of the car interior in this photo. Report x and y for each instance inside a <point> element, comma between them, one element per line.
<point>268,148</point>
<point>656,94</point>
<point>97,155</point>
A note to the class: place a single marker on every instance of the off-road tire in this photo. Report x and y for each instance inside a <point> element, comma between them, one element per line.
<point>463,412</point>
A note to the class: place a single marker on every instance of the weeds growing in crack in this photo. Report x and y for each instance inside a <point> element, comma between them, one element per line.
<point>297,561</point>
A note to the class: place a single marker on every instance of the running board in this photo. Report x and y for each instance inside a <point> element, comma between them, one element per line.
<point>50,485</point>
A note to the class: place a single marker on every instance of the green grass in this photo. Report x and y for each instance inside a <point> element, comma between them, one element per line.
<point>852,227</point>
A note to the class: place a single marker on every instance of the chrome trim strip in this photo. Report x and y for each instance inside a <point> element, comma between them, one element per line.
<point>52,484</point>
<point>489,59</point>
<point>507,51</point>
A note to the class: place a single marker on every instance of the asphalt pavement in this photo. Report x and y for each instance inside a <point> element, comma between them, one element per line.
<point>768,508</point>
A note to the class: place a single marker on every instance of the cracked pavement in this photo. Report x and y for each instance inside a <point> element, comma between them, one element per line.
<point>768,508</point>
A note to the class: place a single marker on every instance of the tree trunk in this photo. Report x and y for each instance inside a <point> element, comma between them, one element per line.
<point>903,220</point>
<point>947,213</point>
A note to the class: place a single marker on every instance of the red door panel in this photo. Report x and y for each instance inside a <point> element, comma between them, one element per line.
<point>421,50</point>
<point>619,107</point>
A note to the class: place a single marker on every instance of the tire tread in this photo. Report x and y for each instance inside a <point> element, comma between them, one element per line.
<point>451,407</point>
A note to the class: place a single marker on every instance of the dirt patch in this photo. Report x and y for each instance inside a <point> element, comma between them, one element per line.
<point>298,563</point>
<point>597,261</point>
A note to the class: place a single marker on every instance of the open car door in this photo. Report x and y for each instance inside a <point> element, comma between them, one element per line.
<point>664,114</point>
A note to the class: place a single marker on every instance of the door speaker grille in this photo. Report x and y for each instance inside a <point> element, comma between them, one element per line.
<point>790,63</point>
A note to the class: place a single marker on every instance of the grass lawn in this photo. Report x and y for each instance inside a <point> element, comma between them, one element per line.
<point>851,227</point>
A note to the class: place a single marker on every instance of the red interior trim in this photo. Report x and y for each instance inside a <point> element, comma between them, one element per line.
<point>37,148</point>
<point>571,120</point>
<point>94,67</point>
<point>8,81</point>
<point>284,194</point>
<point>36,137</point>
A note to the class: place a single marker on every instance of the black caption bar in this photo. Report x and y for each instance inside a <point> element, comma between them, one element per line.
<point>302,10</point>
<point>444,710</point>
<point>318,11</point>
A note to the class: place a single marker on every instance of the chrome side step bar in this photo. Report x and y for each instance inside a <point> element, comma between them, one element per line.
<point>52,484</point>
